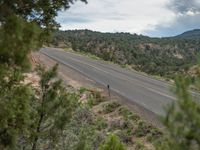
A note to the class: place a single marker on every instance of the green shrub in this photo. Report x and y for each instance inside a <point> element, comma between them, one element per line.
<point>97,97</point>
<point>154,135</point>
<point>112,143</point>
<point>115,124</point>
<point>142,129</point>
<point>128,125</point>
<point>110,107</point>
<point>125,136</point>
<point>128,115</point>
<point>101,123</point>
<point>82,90</point>
<point>90,102</point>
<point>139,145</point>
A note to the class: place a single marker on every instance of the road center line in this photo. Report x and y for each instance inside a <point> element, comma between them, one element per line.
<point>152,90</point>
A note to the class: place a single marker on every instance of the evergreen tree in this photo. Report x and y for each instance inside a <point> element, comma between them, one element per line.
<point>54,108</point>
<point>183,119</point>
<point>25,26</point>
<point>15,108</point>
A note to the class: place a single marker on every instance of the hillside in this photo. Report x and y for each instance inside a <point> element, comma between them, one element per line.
<point>193,34</point>
<point>157,56</point>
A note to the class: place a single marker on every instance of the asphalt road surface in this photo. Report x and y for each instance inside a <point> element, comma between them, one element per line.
<point>145,91</point>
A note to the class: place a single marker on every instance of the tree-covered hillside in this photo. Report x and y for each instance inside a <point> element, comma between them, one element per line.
<point>158,56</point>
<point>193,34</point>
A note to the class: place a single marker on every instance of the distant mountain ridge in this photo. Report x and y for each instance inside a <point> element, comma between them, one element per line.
<point>158,56</point>
<point>192,34</point>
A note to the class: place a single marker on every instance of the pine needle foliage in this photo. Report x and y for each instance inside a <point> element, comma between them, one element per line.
<point>112,143</point>
<point>183,118</point>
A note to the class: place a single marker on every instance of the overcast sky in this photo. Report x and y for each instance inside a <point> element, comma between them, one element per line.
<point>156,18</point>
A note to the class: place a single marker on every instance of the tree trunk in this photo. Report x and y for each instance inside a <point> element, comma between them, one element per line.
<point>37,132</point>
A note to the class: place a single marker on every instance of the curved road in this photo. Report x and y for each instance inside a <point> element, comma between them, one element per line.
<point>147,92</point>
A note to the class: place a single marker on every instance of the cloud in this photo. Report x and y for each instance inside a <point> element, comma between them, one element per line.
<point>185,6</point>
<point>187,17</point>
<point>133,16</point>
<point>180,25</point>
<point>136,16</point>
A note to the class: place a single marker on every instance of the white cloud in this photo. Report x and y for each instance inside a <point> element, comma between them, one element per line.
<point>135,16</point>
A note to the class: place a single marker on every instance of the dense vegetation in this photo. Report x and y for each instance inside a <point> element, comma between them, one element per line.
<point>158,56</point>
<point>194,34</point>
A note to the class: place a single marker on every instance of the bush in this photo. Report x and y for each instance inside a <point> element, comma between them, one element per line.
<point>125,136</point>
<point>95,98</point>
<point>139,146</point>
<point>128,115</point>
<point>116,124</point>
<point>110,107</point>
<point>90,102</point>
<point>154,135</point>
<point>112,143</point>
<point>142,129</point>
<point>98,98</point>
<point>83,115</point>
<point>82,90</point>
<point>101,123</point>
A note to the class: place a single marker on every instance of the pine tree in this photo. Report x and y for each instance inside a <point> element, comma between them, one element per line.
<point>183,119</point>
<point>54,108</point>
<point>24,26</point>
<point>15,108</point>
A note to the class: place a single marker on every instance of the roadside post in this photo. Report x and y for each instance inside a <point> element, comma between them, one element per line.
<point>108,86</point>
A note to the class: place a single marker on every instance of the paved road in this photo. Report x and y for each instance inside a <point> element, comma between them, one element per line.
<point>147,92</point>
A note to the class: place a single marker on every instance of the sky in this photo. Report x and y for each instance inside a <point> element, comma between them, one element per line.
<point>155,18</point>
